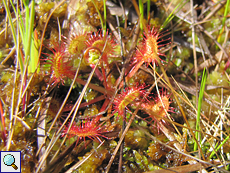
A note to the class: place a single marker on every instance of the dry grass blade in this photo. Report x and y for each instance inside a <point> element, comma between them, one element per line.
<point>120,141</point>
<point>194,49</point>
<point>62,158</point>
<point>192,160</point>
<point>13,120</point>
<point>41,128</point>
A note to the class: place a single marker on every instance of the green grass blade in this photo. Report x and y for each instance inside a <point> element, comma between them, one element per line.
<point>105,17</point>
<point>34,59</point>
<point>26,31</point>
<point>13,33</point>
<point>148,9</point>
<point>202,88</point>
<point>34,56</point>
<point>10,20</point>
<point>99,14</point>
<point>21,25</point>
<point>217,148</point>
<point>27,24</point>
<point>171,15</point>
<point>141,9</point>
<point>29,29</point>
<point>224,19</point>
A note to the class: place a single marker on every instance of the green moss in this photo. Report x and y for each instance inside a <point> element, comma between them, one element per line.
<point>92,15</point>
<point>156,151</point>
<point>6,77</point>
<point>27,149</point>
<point>92,57</point>
<point>92,110</point>
<point>141,160</point>
<point>143,123</point>
<point>92,163</point>
<point>136,139</point>
<point>217,80</point>
<point>90,94</point>
<point>60,11</point>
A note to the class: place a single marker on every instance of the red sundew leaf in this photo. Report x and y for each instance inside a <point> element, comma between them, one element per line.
<point>156,109</point>
<point>87,128</point>
<point>77,43</point>
<point>98,40</point>
<point>148,51</point>
<point>60,63</point>
<point>127,96</point>
<point>227,65</point>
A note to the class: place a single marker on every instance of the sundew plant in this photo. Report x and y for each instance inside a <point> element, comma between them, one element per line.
<point>116,86</point>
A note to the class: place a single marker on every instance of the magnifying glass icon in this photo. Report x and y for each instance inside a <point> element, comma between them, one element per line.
<point>9,160</point>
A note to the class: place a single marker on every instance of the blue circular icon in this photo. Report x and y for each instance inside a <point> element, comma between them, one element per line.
<point>9,160</point>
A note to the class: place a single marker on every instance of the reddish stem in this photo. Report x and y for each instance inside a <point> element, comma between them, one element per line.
<point>103,73</point>
<point>131,73</point>
<point>3,123</point>
<point>97,72</point>
<point>134,70</point>
<point>102,97</point>
<point>24,98</point>
<point>95,87</point>
<point>105,104</point>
